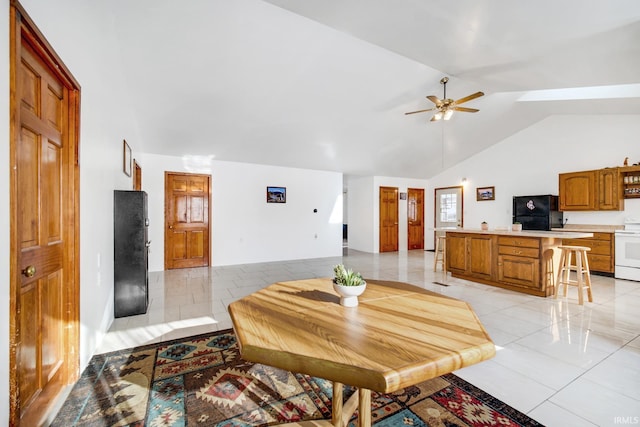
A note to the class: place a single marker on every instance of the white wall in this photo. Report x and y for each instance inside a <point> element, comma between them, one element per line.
<point>528,163</point>
<point>360,215</point>
<point>244,228</point>
<point>5,277</point>
<point>364,210</point>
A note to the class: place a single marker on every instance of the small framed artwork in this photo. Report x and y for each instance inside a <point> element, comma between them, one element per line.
<point>276,195</point>
<point>485,193</point>
<point>403,196</point>
<point>126,158</point>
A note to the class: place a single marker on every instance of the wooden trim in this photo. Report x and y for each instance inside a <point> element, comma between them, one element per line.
<point>14,124</point>
<point>23,30</point>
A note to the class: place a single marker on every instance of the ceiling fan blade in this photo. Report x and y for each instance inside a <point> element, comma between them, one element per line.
<point>435,100</point>
<point>466,110</point>
<point>420,111</point>
<point>470,97</point>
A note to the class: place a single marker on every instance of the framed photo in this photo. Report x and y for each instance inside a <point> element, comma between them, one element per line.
<point>126,158</point>
<point>485,193</point>
<point>276,195</point>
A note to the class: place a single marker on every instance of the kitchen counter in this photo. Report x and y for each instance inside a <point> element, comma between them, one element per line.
<point>522,261</point>
<point>553,234</point>
<point>591,228</point>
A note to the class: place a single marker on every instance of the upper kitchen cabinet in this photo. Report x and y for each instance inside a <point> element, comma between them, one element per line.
<point>610,190</point>
<point>596,190</point>
<point>577,191</point>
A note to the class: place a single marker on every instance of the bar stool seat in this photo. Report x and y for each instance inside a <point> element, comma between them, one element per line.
<point>440,253</point>
<point>581,269</point>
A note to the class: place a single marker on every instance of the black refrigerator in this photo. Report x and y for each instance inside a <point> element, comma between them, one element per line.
<point>130,253</point>
<point>537,212</point>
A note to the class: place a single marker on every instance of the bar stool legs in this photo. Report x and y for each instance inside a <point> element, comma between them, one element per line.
<point>581,269</point>
<point>440,256</point>
<point>550,276</point>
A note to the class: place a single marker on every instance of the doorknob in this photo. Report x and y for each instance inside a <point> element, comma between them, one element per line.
<point>170,226</point>
<point>30,271</point>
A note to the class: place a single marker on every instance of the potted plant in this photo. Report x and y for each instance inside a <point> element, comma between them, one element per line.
<point>516,226</point>
<point>484,226</point>
<point>348,284</point>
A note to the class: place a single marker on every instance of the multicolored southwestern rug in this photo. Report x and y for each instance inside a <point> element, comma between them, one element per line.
<point>202,381</point>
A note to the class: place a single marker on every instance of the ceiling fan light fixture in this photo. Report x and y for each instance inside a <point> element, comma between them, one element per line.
<point>444,107</point>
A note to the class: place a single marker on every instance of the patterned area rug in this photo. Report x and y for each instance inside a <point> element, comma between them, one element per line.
<point>202,381</point>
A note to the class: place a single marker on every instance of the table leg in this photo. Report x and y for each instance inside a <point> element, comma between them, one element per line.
<point>364,407</point>
<point>336,411</point>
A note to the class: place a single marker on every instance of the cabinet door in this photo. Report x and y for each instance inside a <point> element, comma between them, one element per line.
<point>609,190</point>
<point>456,253</point>
<point>578,191</point>
<point>519,271</point>
<point>480,256</point>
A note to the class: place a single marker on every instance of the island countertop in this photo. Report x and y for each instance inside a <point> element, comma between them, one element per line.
<point>593,228</point>
<point>526,233</point>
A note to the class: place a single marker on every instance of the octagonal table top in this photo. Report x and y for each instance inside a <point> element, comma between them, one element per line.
<point>398,335</point>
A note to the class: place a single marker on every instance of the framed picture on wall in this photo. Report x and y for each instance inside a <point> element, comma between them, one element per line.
<point>485,193</point>
<point>276,195</point>
<point>126,158</point>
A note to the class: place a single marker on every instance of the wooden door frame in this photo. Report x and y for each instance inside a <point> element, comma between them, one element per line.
<point>23,30</point>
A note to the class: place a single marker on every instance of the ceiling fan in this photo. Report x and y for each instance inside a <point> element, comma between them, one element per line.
<point>445,107</point>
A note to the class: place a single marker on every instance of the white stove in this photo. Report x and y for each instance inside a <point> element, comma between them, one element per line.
<point>628,250</point>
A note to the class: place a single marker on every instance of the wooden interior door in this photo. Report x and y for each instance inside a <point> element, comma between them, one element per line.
<point>186,220</point>
<point>388,219</point>
<point>44,228</point>
<point>415,218</point>
<point>137,176</point>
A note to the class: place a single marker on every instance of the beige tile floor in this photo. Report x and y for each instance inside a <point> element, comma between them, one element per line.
<point>561,363</point>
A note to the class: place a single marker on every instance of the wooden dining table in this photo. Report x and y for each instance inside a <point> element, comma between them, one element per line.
<point>397,336</point>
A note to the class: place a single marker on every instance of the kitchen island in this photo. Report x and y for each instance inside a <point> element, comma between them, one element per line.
<point>522,261</point>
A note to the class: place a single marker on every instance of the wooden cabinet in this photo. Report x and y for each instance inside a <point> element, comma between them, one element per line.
<point>514,261</point>
<point>577,191</point>
<point>470,255</point>
<point>519,262</point>
<point>595,190</point>
<point>610,190</point>
<point>602,254</point>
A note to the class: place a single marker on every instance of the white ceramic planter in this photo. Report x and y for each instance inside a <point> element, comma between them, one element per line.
<point>349,294</point>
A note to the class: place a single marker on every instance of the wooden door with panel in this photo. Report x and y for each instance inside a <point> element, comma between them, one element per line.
<point>388,219</point>
<point>415,218</point>
<point>187,234</point>
<point>44,233</point>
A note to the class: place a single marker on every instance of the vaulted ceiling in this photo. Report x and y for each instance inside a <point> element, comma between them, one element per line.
<point>324,84</point>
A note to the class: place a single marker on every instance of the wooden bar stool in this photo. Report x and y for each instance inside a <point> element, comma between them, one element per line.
<point>440,253</point>
<point>549,273</point>
<point>581,268</point>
